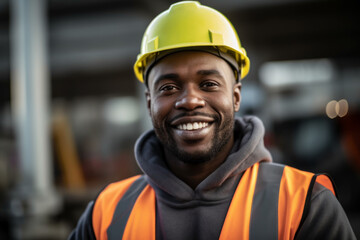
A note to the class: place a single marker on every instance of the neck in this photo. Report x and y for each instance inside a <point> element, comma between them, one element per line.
<point>193,174</point>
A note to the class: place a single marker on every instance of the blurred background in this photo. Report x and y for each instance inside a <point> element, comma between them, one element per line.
<point>71,108</point>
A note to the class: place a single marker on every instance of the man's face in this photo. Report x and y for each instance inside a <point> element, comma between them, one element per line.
<point>192,98</point>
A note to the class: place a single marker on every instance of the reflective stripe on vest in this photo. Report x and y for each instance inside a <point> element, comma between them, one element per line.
<point>268,203</point>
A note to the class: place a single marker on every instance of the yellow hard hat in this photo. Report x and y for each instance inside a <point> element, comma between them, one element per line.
<point>189,24</point>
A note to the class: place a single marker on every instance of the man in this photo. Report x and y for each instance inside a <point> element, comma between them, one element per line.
<point>207,174</point>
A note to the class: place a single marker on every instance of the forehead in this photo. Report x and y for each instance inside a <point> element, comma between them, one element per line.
<point>190,62</point>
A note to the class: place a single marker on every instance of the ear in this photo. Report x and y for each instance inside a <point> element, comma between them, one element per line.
<point>148,100</point>
<point>237,96</point>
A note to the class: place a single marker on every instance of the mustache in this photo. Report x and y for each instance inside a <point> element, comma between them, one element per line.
<point>192,114</point>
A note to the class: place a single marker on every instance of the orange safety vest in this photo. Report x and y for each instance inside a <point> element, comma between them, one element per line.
<point>269,203</point>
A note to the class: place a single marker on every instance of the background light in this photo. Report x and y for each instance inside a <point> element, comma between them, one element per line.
<point>337,108</point>
<point>331,109</point>
<point>122,110</point>
<point>343,108</point>
<point>285,73</point>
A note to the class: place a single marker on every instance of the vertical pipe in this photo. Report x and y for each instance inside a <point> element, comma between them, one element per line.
<point>30,93</point>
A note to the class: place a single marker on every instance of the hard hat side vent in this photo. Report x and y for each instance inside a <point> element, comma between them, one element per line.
<point>216,38</point>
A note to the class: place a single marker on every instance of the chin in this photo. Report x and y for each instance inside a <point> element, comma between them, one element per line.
<point>194,157</point>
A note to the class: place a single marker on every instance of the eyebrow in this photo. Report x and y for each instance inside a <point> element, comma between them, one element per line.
<point>209,72</point>
<point>170,76</point>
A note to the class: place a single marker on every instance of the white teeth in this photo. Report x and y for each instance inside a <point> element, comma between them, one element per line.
<point>192,126</point>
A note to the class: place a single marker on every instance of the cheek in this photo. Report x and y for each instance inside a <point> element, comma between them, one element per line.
<point>224,103</point>
<point>160,109</point>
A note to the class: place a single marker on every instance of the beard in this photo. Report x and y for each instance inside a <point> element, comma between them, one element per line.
<point>222,135</point>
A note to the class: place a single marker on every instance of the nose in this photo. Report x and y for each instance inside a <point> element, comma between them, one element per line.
<point>190,99</point>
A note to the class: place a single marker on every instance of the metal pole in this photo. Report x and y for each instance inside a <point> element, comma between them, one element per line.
<point>30,99</point>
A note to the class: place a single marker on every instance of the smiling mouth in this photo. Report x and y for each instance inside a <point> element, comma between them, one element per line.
<point>192,126</point>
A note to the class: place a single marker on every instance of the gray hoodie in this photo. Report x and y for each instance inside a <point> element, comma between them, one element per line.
<point>184,213</point>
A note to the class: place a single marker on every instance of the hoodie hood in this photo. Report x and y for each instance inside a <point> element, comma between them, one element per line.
<point>248,149</point>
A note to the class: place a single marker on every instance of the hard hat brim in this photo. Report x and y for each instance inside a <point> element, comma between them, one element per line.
<point>239,55</point>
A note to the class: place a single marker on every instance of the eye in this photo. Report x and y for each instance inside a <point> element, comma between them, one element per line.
<point>168,88</point>
<point>209,85</point>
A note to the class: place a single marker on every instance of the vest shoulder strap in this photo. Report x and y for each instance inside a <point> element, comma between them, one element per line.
<point>124,207</point>
<point>105,205</point>
<point>326,181</point>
